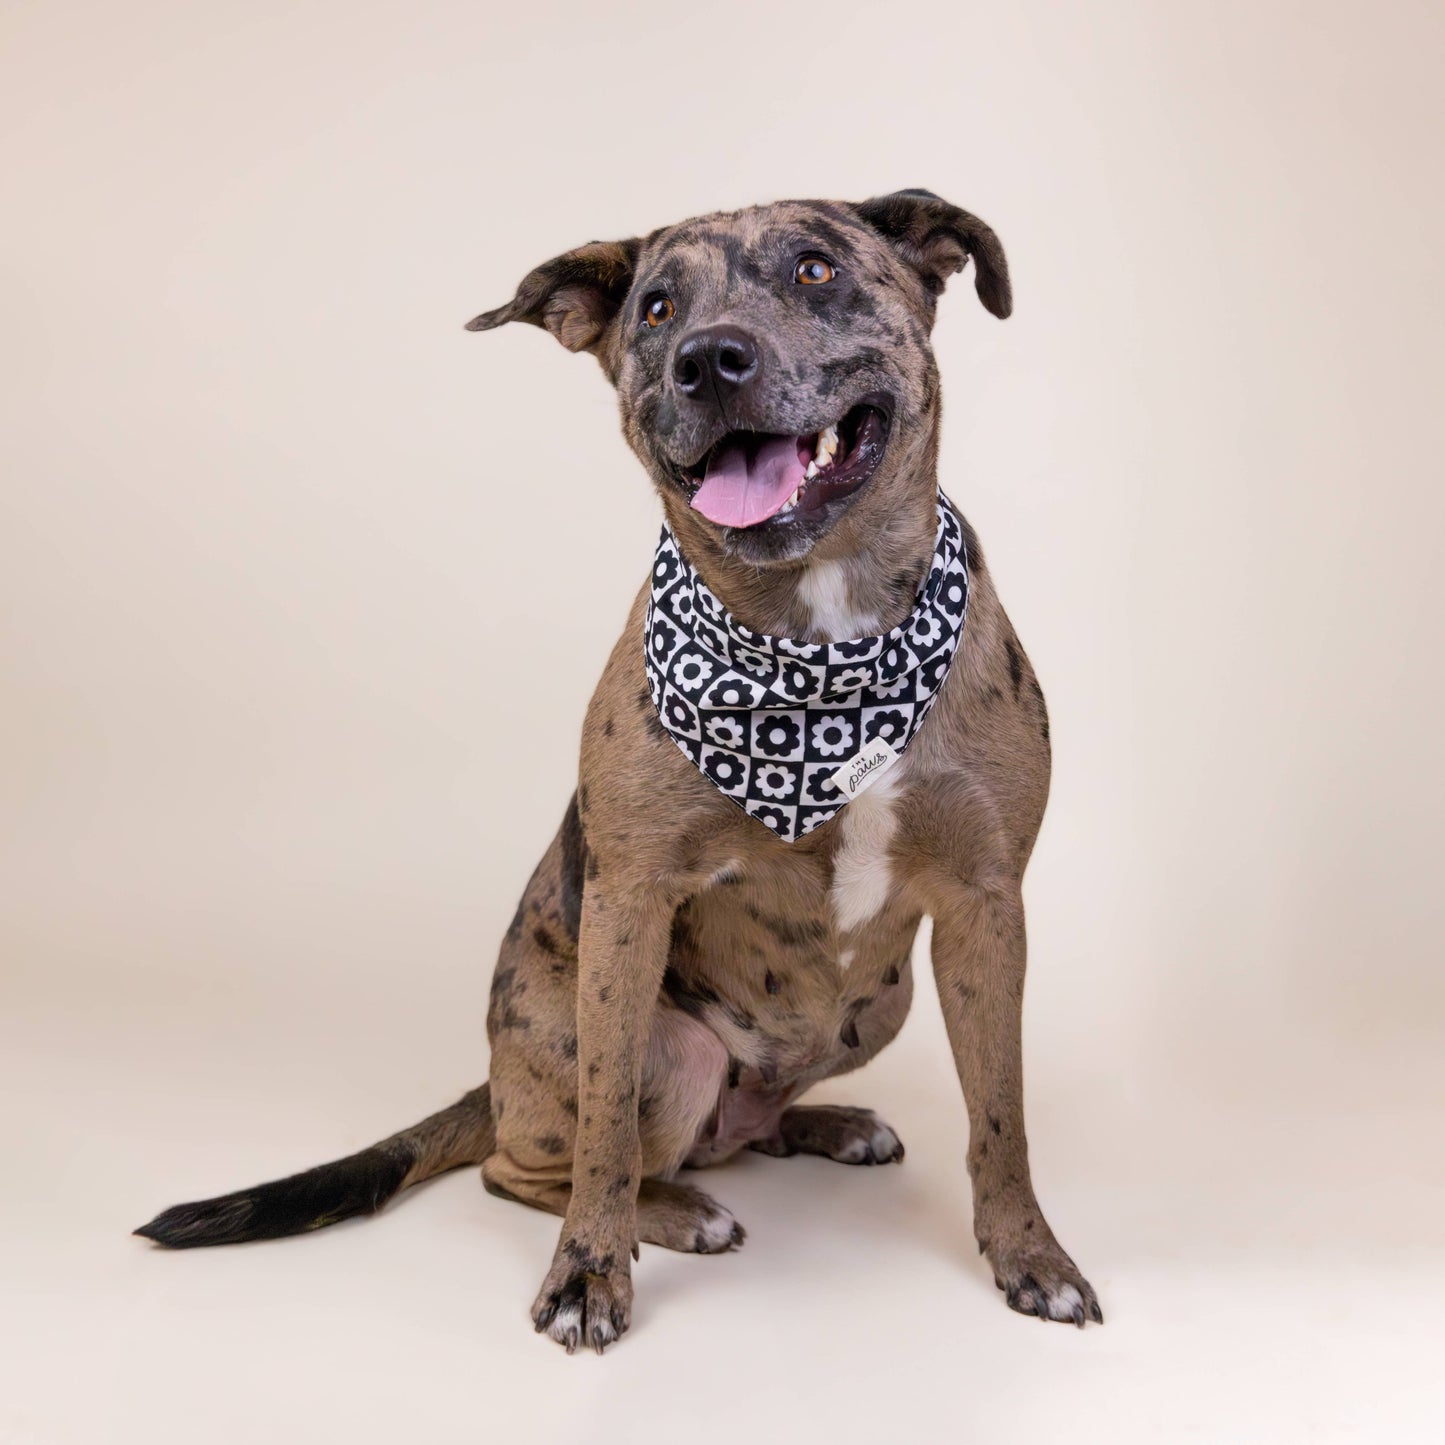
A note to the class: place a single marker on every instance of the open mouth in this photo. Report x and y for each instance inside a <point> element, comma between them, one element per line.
<point>756,479</point>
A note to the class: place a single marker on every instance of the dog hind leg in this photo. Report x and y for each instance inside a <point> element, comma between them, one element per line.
<point>848,1135</point>
<point>674,1216</point>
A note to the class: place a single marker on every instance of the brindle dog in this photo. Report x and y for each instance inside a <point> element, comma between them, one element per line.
<point>676,977</point>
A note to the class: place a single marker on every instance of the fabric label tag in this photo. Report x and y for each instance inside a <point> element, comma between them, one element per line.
<point>862,770</point>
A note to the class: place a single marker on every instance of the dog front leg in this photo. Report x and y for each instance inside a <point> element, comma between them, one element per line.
<point>622,953</point>
<point>978,960</point>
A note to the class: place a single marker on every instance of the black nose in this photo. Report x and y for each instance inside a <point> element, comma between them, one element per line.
<point>722,355</point>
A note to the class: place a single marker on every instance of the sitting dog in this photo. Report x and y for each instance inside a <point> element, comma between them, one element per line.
<point>816,727</point>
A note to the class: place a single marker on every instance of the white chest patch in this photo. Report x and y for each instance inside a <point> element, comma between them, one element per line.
<point>824,592</point>
<point>862,879</point>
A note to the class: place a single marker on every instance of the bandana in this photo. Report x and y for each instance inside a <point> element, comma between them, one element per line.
<point>792,731</point>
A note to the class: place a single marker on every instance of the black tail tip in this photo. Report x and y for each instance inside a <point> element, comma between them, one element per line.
<point>359,1184</point>
<point>213,1221</point>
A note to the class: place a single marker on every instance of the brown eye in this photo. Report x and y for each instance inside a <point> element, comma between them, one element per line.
<point>812,271</point>
<point>659,309</point>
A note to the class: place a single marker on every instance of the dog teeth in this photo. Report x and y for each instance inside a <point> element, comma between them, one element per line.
<point>827,445</point>
<point>823,450</point>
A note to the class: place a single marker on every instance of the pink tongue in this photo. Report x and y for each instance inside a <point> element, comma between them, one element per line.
<point>747,484</point>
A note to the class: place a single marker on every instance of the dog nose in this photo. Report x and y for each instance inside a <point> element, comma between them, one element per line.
<point>723,355</point>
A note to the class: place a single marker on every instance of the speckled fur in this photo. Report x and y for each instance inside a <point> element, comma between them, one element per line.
<point>676,976</point>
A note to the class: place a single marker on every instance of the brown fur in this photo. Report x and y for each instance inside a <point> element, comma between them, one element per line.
<point>672,981</point>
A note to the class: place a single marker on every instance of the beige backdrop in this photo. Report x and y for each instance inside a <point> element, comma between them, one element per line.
<point>278,545</point>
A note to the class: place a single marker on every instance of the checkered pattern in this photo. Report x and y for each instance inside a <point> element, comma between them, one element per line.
<point>769,720</point>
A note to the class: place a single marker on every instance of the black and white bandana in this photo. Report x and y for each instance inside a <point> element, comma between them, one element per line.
<point>791,731</point>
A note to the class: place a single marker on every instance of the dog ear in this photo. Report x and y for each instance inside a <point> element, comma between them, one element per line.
<point>575,295</point>
<point>937,239</point>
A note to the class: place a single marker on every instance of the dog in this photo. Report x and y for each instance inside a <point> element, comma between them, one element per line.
<point>678,974</point>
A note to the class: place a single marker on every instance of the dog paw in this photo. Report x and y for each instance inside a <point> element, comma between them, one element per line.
<point>677,1216</point>
<point>584,1300</point>
<point>874,1143</point>
<point>1047,1284</point>
<point>718,1236</point>
<point>851,1136</point>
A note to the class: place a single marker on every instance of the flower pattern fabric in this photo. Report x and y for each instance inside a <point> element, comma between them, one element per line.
<point>769,720</point>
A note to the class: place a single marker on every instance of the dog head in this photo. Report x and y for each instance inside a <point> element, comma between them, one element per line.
<point>773,365</point>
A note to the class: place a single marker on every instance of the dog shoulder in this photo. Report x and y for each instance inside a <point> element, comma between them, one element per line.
<point>637,781</point>
<point>984,751</point>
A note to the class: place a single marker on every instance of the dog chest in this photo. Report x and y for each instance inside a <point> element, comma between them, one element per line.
<point>862,872</point>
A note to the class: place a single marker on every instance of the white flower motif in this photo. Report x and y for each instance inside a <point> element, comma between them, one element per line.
<point>804,650</point>
<point>726,732</point>
<point>691,669</point>
<point>774,782</point>
<point>889,690</point>
<point>833,736</point>
<point>924,630</point>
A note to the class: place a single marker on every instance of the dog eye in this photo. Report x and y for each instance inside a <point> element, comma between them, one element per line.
<point>812,271</point>
<point>659,310</point>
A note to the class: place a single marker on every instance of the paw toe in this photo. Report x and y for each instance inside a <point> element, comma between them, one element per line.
<point>584,1309</point>
<point>876,1144</point>
<point>1049,1291</point>
<point>718,1232</point>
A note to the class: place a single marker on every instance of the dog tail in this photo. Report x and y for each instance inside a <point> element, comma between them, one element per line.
<point>359,1184</point>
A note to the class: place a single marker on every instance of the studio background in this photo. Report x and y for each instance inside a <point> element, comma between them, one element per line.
<point>303,590</point>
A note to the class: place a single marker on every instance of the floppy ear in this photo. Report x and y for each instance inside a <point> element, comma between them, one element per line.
<point>937,239</point>
<point>575,295</point>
